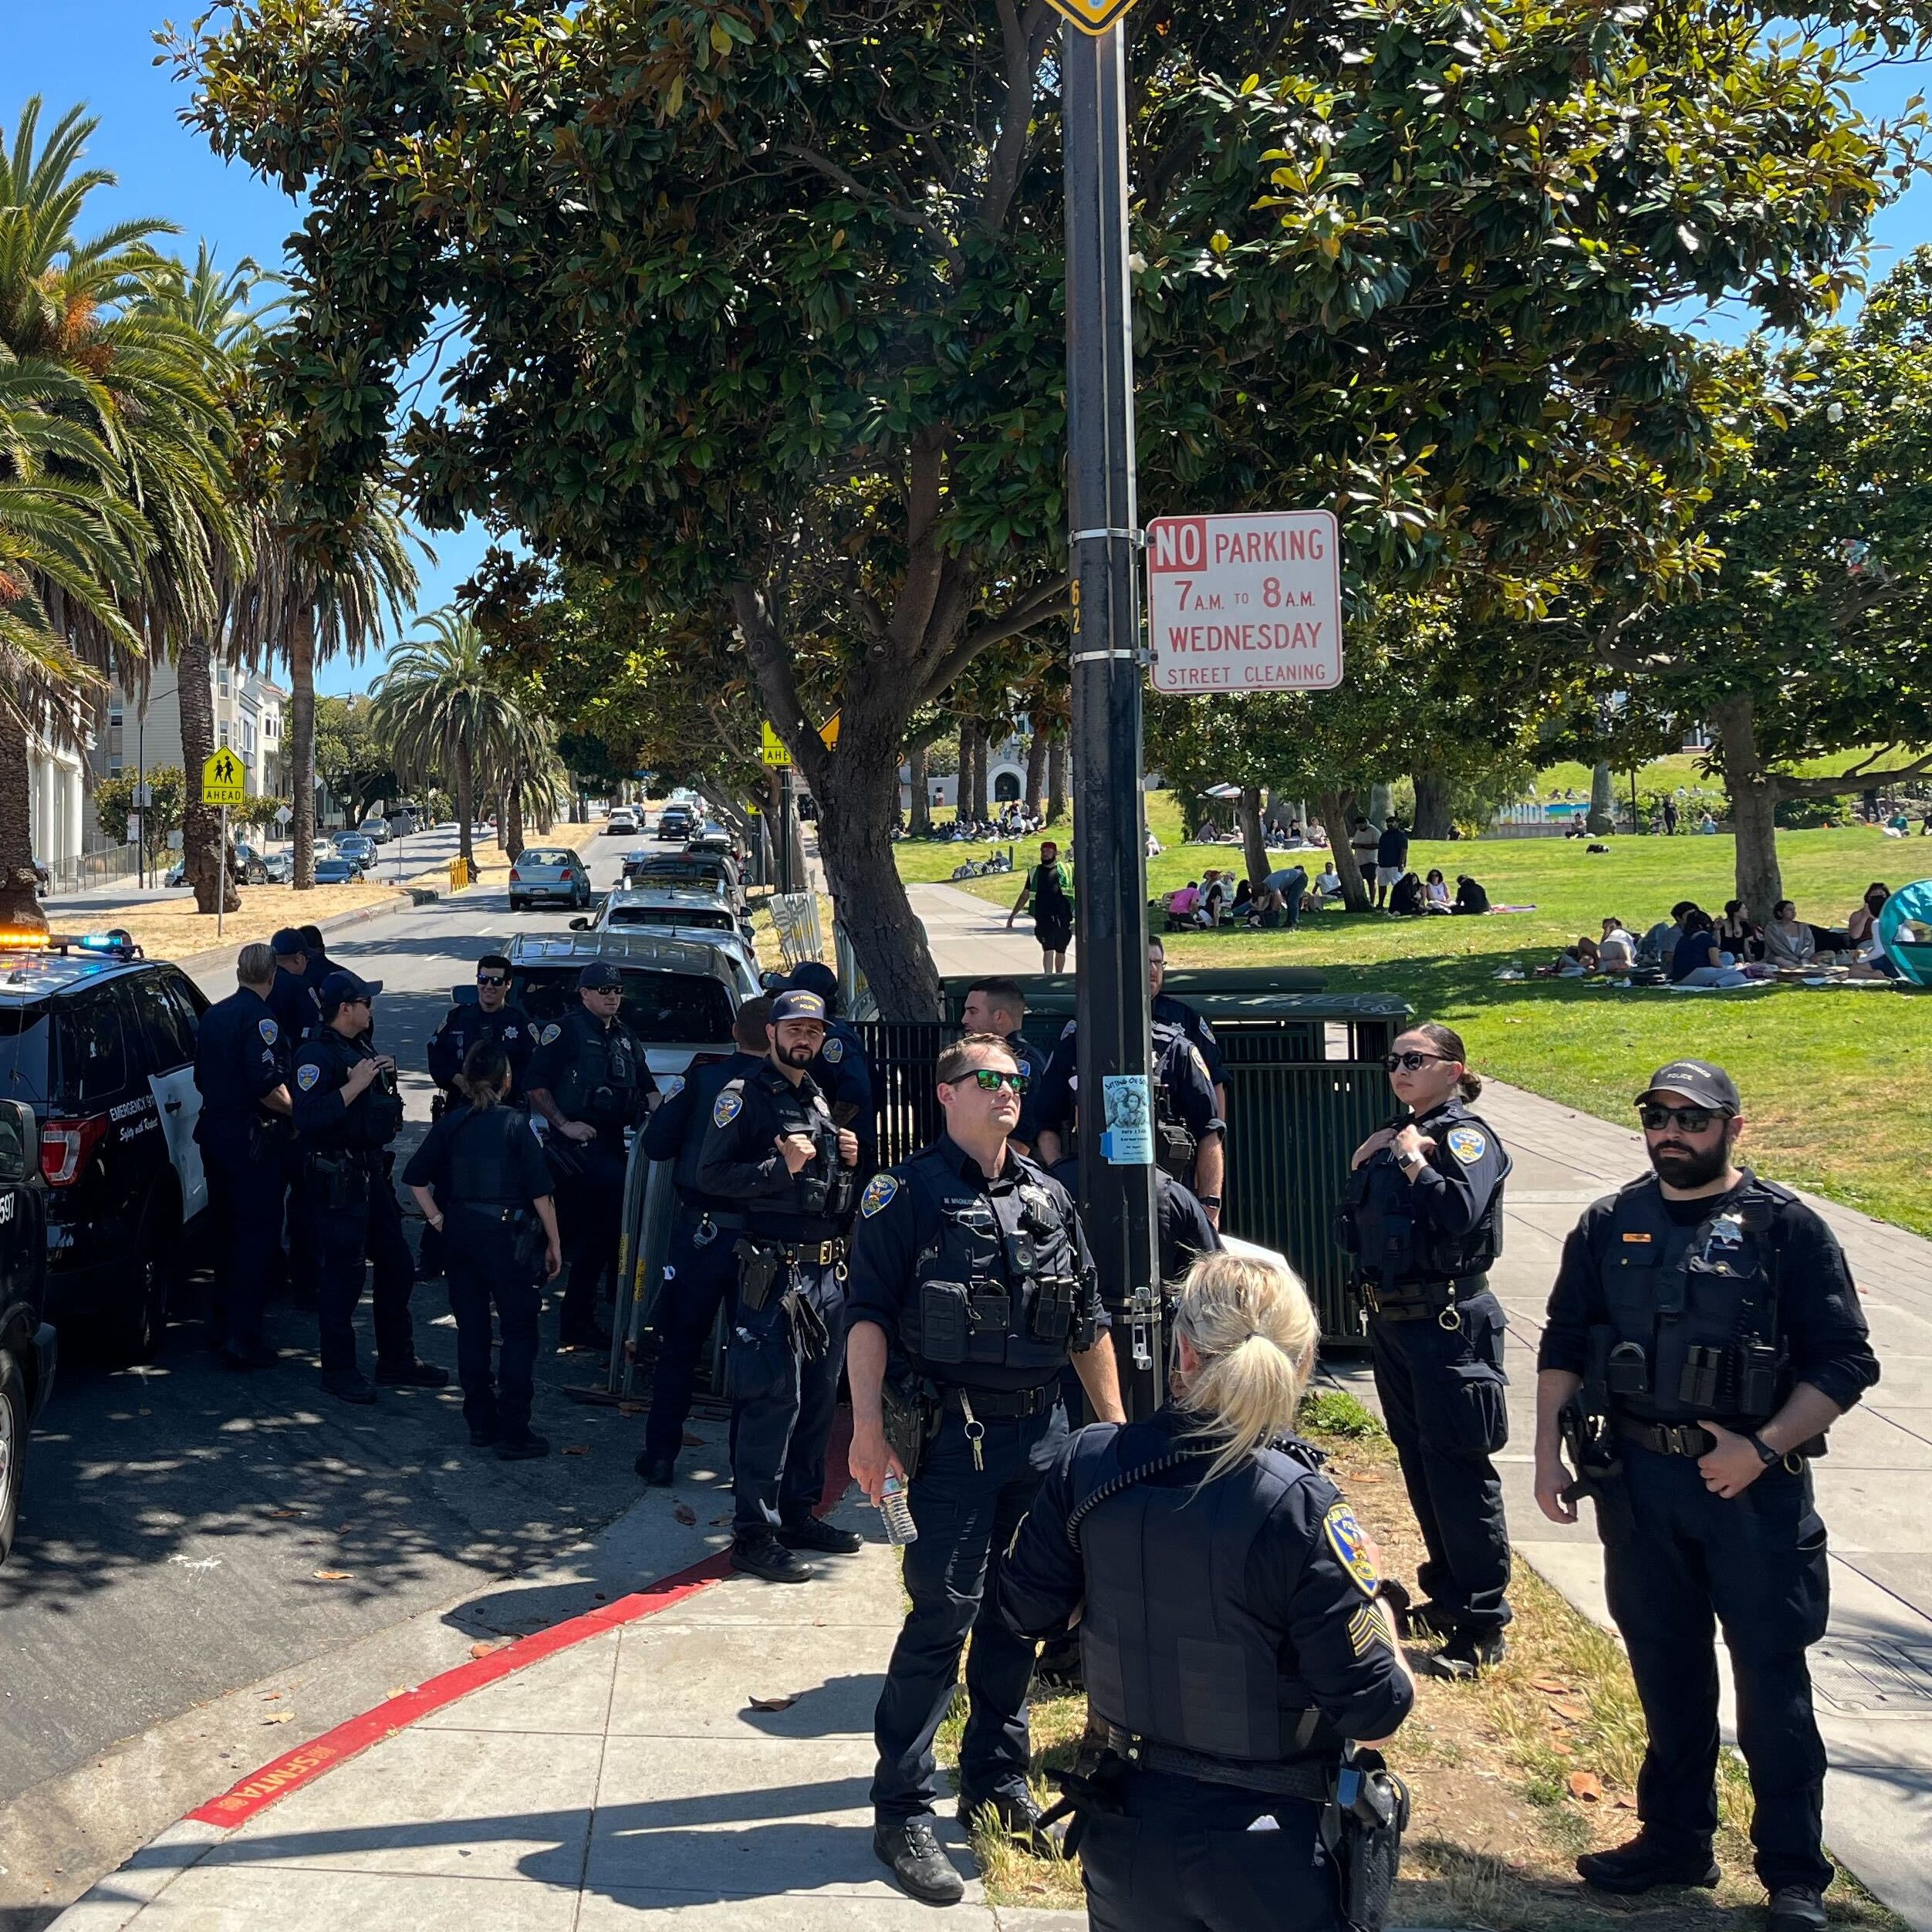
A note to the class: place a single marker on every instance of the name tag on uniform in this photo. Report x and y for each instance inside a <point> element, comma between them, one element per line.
<point>1643,1239</point>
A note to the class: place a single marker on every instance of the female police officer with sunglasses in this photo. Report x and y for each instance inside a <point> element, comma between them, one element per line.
<point>1423,1217</point>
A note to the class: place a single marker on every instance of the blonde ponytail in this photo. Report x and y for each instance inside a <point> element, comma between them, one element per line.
<point>1253,1330</point>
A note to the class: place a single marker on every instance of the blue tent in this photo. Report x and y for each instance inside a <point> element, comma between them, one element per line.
<point>1906,927</point>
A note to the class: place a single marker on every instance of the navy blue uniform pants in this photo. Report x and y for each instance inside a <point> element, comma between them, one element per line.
<point>346,1238</point>
<point>782,1406</point>
<point>697,1280</point>
<point>590,1204</point>
<point>301,1263</point>
<point>482,1273</point>
<point>1442,1398</point>
<point>966,1518</point>
<point>246,1196</point>
<point>1181,1858</point>
<point>1755,1564</point>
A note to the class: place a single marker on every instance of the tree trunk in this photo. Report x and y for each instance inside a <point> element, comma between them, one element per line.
<point>19,885</point>
<point>204,864</point>
<point>1035,769</point>
<point>1603,812</point>
<point>1056,776</point>
<point>1379,805</point>
<point>1253,837</point>
<point>1432,804</point>
<point>465,800</point>
<point>510,826</point>
<point>1753,804</point>
<point>1338,809</point>
<point>969,785</point>
<point>302,746</point>
<point>919,807</point>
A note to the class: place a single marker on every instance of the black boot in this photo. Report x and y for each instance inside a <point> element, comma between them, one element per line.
<point>824,1537</point>
<point>1466,1656</point>
<point>767,1557</point>
<point>1643,1863</point>
<point>1795,1908</point>
<point>912,1849</point>
<point>1018,1814</point>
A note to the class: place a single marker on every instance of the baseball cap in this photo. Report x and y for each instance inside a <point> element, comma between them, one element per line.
<point>599,976</point>
<point>796,1006</point>
<point>1701,1083</point>
<point>339,989</point>
<point>814,976</point>
<point>286,941</point>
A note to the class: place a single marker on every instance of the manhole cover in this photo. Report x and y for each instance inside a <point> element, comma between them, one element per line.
<point>1874,1677</point>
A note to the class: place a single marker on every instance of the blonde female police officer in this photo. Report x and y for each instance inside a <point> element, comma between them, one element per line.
<point>1423,1217</point>
<point>1232,1642</point>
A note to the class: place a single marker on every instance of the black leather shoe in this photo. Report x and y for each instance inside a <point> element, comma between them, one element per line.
<point>1465,1657</point>
<point>484,1438</point>
<point>1795,1908</point>
<point>813,1535</point>
<point>1019,1815</point>
<point>412,1375</point>
<point>769,1559</point>
<point>912,1849</point>
<point>661,1473</point>
<point>1642,1863</point>
<point>590,1341</point>
<point>349,1386</point>
<point>523,1448</point>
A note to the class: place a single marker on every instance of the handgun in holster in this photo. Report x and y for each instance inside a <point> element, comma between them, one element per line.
<point>910,1415</point>
<point>1362,1828</point>
<point>760,1266</point>
<point>1092,1788</point>
<point>341,1180</point>
<point>1589,1445</point>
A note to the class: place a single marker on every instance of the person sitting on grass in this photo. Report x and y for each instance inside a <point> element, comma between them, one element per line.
<point>1328,885</point>
<point>1658,946</point>
<point>1267,911</point>
<point>1699,961</point>
<point>1181,904</point>
<point>1788,941</point>
<point>1616,951</point>
<point>1435,892</point>
<point>1857,928</point>
<point>1471,897</point>
<point>1405,897</point>
<point>1736,934</point>
<point>1244,899</point>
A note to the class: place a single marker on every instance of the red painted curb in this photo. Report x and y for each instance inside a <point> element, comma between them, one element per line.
<point>306,1762</point>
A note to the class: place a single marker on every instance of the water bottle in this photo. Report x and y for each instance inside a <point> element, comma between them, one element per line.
<point>897,1511</point>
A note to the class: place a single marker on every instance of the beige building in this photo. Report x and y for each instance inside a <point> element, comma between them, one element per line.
<point>250,721</point>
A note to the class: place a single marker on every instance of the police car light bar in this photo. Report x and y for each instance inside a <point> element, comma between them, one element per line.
<point>116,944</point>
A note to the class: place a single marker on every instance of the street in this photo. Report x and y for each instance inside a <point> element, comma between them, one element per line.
<point>177,1516</point>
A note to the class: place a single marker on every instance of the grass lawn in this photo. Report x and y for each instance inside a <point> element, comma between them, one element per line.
<point>1834,1081</point>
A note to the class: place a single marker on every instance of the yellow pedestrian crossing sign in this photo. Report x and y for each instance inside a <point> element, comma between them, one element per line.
<point>1095,17</point>
<point>775,751</point>
<point>224,780</point>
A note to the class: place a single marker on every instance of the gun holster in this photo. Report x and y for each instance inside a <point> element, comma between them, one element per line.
<point>339,1182</point>
<point>1362,1828</point>
<point>760,1265</point>
<point>912,1419</point>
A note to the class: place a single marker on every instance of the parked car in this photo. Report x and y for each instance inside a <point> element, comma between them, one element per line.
<point>278,868</point>
<point>623,819</point>
<point>377,828</point>
<point>337,870</point>
<point>28,1347</point>
<point>714,870</point>
<point>549,875</point>
<point>99,1043</point>
<point>676,821</point>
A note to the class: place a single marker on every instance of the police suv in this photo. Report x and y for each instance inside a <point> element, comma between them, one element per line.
<point>98,1043</point>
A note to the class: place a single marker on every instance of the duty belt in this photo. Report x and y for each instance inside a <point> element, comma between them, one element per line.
<point>1004,1405</point>
<point>1310,1780</point>
<point>1667,1438</point>
<point>820,1254</point>
<point>1414,1300</point>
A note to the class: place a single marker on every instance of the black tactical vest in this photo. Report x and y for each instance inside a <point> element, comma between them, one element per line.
<point>1693,1327</point>
<point>1171,1649</point>
<point>1382,1222</point>
<point>482,1173</point>
<point>373,1117</point>
<point>997,1284</point>
<point>602,1083</point>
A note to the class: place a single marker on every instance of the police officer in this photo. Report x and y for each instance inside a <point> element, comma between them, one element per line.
<point>773,1147</point>
<point>1166,1011</point>
<point>970,1290</point>
<point>240,1066</point>
<point>481,1181</point>
<point>590,1081</point>
<point>998,1006</point>
<point>293,997</point>
<point>1702,1334</point>
<point>700,1267</point>
<point>1234,1649</point>
<point>1423,1217</point>
<point>490,1016</point>
<point>842,1070</point>
<point>320,965</point>
<point>347,1111</point>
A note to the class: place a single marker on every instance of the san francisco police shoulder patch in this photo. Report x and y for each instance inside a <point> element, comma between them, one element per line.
<point>834,1050</point>
<point>728,1107</point>
<point>307,1075</point>
<point>1350,1543</point>
<point>270,1032</point>
<point>672,1085</point>
<point>548,1034</point>
<point>1469,1144</point>
<point>878,1189</point>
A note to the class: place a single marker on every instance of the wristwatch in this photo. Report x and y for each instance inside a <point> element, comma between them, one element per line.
<point>1766,1455</point>
<point>1413,1158</point>
<point>1208,1200</point>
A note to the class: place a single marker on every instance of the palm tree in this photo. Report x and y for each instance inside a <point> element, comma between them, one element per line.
<point>440,709</point>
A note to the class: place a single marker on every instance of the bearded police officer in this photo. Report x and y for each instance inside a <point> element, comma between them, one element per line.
<point>1702,1334</point>
<point>773,1149</point>
<point>700,1268</point>
<point>242,1068</point>
<point>843,1071</point>
<point>590,1081</point>
<point>1423,1217</point>
<point>491,1015</point>
<point>971,1289</point>
<point>347,1111</point>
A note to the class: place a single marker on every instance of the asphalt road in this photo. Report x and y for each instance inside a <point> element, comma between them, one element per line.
<point>176,1517</point>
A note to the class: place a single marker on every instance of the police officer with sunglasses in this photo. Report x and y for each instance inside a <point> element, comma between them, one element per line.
<point>1704,1333</point>
<point>1422,1215</point>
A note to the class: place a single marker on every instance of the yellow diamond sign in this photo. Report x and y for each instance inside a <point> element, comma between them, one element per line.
<point>1091,16</point>
<point>224,780</point>
<point>774,751</point>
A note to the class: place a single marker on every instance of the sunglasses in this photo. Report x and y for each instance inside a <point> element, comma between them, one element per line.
<point>1691,1119</point>
<point>990,1079</point>
<point>492,979</point>
<point>1411,1062</point>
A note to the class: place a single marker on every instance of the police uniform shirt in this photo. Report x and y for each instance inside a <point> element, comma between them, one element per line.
<point>1181,1071</point>
<point>1452,1192</point>
<point>1819,1317</point>
<point>677,1128</point>
<point>322,1114</point>
<point>1184,1231</point>
<point>843,1075</point>
<point>1165,1010</point>
<point>292,999</point>
<point>527,1174</point>
<point>1033,1062</point>
<point>897,1223</point>
<point>740,1162</point>
<point>239,1057</point>
<point>465,1024</point>
<point>560,1044</point>
<point>1308,1572</point>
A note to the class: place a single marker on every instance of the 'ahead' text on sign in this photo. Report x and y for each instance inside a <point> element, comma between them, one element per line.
<point>1251,603</point>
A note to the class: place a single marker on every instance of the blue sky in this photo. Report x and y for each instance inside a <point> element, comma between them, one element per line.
<point>101,52</point>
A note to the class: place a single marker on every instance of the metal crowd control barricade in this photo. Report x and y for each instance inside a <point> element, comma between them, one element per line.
<point>644,1237</point>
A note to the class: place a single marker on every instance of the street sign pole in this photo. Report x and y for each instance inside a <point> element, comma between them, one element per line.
<point>221,876</point>
<point>1116,1095</point>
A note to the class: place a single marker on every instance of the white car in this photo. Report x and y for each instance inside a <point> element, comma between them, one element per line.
<point>622,819</point>
<point>694,912</point>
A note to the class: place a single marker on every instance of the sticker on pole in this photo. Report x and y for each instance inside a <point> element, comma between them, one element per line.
<point>1128,1140</point>
<point>224,780</point>
<point>1251,603</point>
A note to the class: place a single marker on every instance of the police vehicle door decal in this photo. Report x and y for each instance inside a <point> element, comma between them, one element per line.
<point>177,1101</point>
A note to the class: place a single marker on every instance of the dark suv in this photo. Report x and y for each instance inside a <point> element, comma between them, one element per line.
<point>26,1339</point>
<point>99,1043</point>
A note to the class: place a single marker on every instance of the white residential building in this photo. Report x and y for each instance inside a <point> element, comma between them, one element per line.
<point>250,719</point>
